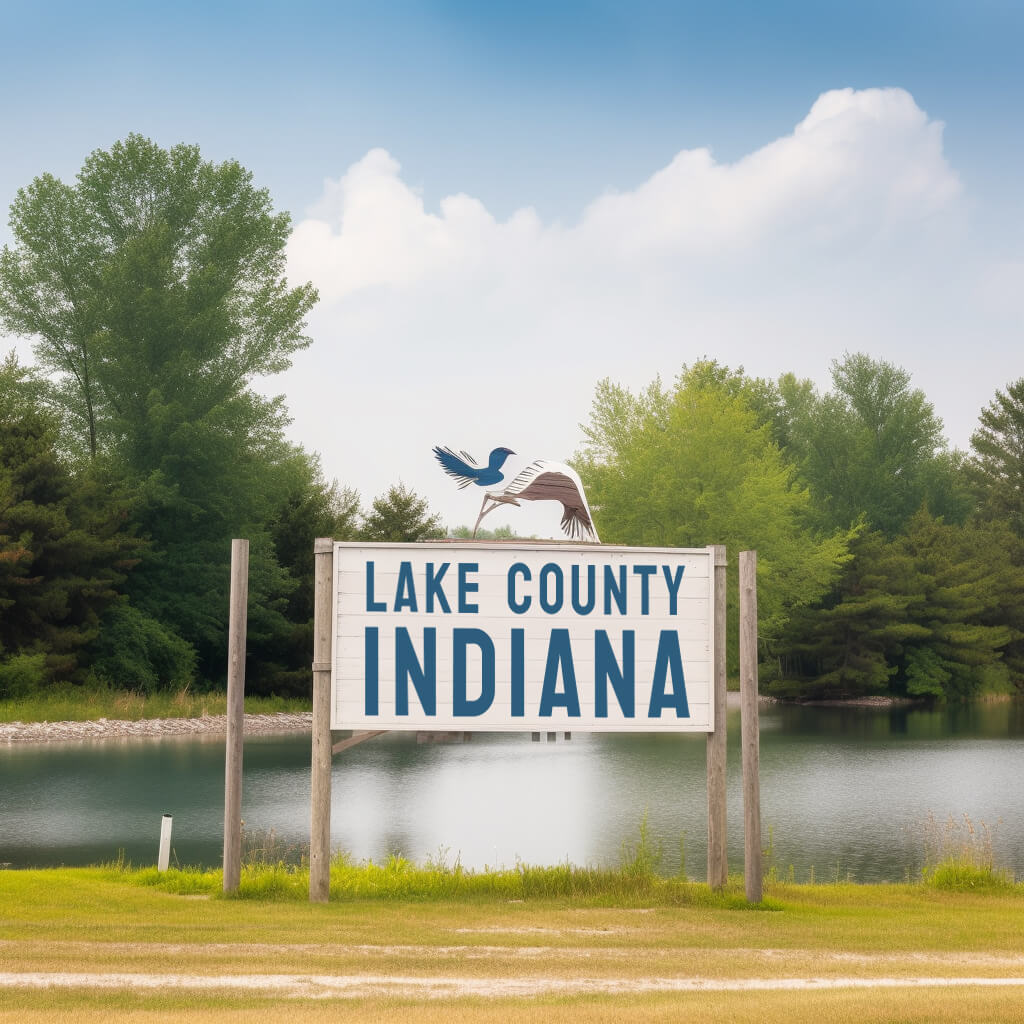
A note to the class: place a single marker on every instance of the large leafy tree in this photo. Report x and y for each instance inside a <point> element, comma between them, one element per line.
<point>695,464</point>
<point>871,449</point>
<point>153,289</point>
<point>996,466</point>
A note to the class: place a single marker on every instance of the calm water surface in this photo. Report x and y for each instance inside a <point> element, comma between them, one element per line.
<point>845,791</point>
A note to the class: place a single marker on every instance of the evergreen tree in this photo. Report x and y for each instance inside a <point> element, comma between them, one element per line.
<point>849,645</point>
<point>63,548</point>
<point>937,612</point>
<point>400,515</point>
<point>996,468</point>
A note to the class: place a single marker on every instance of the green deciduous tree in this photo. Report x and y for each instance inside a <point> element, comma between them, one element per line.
<point>695,464</point>
<point>870,449</point>
<point>153,289</point>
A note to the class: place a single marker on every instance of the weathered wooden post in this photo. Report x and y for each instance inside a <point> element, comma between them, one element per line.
<point>235,715</point>
<point>323,635</point>
<point>718,855</point>
<point>750,727</point>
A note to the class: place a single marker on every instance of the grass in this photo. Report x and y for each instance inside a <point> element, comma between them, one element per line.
<point>399,880</point>
<point>272,870</point>
<point>958,856</point>
<point>76,704</point>
<point>103,920</point>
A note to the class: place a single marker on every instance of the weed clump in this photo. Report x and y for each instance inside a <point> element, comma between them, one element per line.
<point>958,856</point>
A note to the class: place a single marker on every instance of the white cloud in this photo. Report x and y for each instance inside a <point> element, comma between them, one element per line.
<point>454,327</point>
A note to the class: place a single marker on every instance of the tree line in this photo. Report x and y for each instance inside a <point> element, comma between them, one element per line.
<point>887,562</point>
<point>153,290</point>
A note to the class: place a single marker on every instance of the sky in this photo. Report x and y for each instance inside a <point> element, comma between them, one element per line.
<point>502,204</point>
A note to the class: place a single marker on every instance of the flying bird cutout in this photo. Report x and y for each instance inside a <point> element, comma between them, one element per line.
<point>541,480</point>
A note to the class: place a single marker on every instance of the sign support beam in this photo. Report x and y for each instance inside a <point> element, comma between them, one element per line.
<point>750,727</point>
<point>718,857</point>
<point>237,617</point>
<point>323,635</point>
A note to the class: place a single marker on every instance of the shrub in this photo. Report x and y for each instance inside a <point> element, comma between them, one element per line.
<point>22,674</point>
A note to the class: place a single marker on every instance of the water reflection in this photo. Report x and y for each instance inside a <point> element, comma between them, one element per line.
<point>844,790</point>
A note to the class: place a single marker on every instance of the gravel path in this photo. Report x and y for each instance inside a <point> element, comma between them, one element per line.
<point>108,728</point>
<point>362,985</point>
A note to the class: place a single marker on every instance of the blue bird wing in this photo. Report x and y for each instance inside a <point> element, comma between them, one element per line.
<point>463,469</point>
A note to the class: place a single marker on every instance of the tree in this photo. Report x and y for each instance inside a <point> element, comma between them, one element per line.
<point>996,468</point>
<point>695,465</point>
<point>848,644</point>
<point>311,507</point>
<point>937,612</point>
<point>498,533</point>
<point>154,290</point>
<point>400,515</point>
<point>64,551</point>
<point>871,448</point>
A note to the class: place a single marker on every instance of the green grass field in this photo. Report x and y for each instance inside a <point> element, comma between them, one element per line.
<point>433,950</point>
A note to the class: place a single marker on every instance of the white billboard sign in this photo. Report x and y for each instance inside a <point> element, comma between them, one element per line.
<point>526,637</point>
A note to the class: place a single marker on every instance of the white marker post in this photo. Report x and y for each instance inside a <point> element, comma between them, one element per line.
<point>164,856</point>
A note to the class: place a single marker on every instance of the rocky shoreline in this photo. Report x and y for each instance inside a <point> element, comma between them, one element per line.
<point>108,728</point>
<point>262,725</point>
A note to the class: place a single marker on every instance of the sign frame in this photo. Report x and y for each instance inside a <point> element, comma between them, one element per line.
<point>322,737</point>
<point>577,637</point>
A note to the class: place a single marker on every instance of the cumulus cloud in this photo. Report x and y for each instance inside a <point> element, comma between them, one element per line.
<point>451,326</point>
<point>860,162</point>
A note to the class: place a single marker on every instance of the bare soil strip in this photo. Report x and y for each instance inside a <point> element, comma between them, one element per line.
<point>359,986</point>
<point>71,948</point>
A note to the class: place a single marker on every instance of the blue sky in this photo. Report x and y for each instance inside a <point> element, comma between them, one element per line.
<point>542,114</point>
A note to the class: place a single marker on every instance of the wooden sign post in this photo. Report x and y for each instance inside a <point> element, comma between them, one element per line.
<point>235,715</point>
<point>718,854</point>
<point>323,633</point>
<point>750,736</point>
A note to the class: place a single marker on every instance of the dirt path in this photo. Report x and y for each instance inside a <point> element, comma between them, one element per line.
<point>360,986</point>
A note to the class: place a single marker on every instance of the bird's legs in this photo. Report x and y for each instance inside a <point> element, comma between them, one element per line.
<point>495,500</point>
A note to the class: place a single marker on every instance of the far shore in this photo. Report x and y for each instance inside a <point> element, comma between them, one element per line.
<point>281,722</point>
<point>109,728</point>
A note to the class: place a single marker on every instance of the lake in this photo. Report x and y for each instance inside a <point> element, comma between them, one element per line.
<point>845,792</point>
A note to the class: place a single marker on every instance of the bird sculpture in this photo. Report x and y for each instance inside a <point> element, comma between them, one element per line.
<point>541,480</point>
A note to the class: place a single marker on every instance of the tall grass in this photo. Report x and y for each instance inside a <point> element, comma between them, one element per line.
<point>78,704</point>
<point>272,870</point>
<point>958,855</point>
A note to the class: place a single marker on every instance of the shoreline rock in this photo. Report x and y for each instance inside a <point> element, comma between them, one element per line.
<point>150,728</point>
